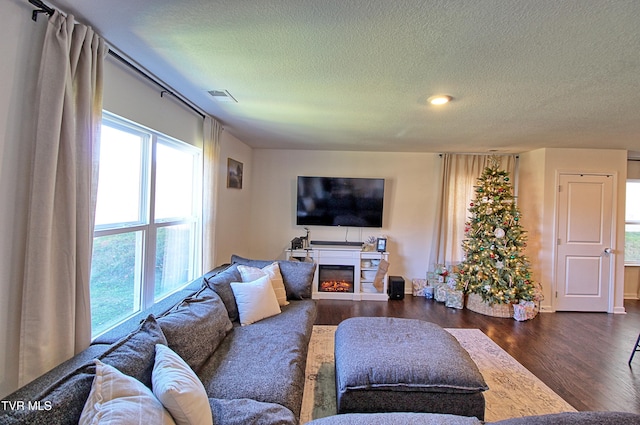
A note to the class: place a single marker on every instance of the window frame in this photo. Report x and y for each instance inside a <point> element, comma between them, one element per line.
<point>147,224</point>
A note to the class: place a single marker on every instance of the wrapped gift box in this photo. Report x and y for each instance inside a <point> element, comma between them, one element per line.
<point>440,293</point>
<point>455,299</point>
<point>428,292</point>
<point>525,310</point>
<point>418,287</point>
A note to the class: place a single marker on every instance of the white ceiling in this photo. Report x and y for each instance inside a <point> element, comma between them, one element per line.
<point>355,74</point>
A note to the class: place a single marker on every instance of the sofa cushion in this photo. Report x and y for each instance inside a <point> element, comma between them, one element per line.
<point>576,418</point>
<point>395,419</point>
<point>265,361</point>
<point>297,276</point>
<point>256,300</point>
<point>134,355</point>
<point>221,284</point>
<point>273,271</point>
<point>196,326</point>
<point>244,411</point>
<point>120,399</point>
<point>179,389</point>
<point>157,309</point>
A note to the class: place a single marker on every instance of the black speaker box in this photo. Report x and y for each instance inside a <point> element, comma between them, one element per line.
<point>395,289</point>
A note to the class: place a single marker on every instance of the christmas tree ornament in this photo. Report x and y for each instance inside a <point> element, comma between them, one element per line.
<point>499,233</point>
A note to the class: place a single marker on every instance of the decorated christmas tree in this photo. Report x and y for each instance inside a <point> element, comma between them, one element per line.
<point>494,266</point>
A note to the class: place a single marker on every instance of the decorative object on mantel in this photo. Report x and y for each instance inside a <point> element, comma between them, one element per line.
<point>381,244</point>
<point>370,244</point>
<point>234,174</point>
<point>495,272</point>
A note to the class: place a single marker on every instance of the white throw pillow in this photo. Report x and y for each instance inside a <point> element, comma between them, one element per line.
<point>179,389</point>
<point>256,300</point>
<point>250,274</point>
<point>116,398</point>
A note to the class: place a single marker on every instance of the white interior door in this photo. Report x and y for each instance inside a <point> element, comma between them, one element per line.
<point>584,261</point>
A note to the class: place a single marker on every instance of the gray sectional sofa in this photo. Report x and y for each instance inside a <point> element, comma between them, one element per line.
<point>252,374</point>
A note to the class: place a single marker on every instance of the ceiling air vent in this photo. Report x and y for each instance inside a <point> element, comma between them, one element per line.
<point>222,96</point>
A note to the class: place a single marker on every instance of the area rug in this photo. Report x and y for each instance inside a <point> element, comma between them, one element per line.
<point>513,390</point>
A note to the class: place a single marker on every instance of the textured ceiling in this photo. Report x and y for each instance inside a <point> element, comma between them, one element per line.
<point>354,75</point>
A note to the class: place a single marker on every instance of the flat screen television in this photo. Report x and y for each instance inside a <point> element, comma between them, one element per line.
<point>339,201</point>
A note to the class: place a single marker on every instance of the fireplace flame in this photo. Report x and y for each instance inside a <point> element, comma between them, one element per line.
<point>336,286</point>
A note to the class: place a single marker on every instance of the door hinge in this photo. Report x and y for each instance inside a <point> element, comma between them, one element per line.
<point>559,188</point>
<point>559,241</point>
<point>556,294</point>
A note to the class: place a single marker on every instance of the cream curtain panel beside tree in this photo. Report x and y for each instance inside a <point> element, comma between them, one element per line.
<point>56,316</point>
<point>211,166</point>
<point>458,176</point>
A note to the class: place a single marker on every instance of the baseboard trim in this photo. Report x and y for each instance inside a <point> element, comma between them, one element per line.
<point>619,310</point>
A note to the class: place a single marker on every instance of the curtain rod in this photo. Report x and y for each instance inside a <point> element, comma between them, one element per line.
<point>517,155</point>
<point>43,8</point>
<point>164,91</point>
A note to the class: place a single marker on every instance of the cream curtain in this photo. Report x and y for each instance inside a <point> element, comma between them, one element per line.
<point>211,169</point>
<point>56,316</point>
<point>458,176</point>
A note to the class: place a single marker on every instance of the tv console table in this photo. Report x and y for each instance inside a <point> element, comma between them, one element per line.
<point>363,263</point>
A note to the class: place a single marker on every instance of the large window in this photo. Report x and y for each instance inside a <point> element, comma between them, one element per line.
<point>632,223</point>
<point>147,234</point>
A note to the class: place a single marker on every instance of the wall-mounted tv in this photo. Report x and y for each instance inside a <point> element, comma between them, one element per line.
<point>339,201</point>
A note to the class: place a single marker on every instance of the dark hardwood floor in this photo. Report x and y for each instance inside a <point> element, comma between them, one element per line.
<point>581,356</point>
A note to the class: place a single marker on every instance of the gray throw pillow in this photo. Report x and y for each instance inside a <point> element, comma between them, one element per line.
<point>135,354</point>
<point>221,284</point>
<point>297,276</point>
<point>195,327</point>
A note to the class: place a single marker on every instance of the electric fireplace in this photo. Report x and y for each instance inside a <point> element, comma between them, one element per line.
<point>335,278</point>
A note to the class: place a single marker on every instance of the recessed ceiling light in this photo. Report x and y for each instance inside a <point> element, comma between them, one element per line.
<point>439,99</point>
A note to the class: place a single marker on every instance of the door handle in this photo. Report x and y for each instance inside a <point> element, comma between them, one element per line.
<point>608,251</point>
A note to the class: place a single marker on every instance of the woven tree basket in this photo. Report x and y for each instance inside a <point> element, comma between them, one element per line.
<point>475,303</point>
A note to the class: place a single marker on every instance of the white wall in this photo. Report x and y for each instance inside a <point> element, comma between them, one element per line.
<point>234,213</point>
<point>21,45</point>
<point>410,192</point>
<point>531,201</point>
<point>538,192</point>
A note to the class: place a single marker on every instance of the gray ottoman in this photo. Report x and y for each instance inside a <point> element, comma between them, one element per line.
<point>404,365</point>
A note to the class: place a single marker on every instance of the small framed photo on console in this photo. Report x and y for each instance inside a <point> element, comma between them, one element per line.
<point>381,245</point>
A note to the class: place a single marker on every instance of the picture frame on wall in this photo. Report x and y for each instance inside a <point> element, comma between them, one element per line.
<point>234,174</point>
<point>381,244</point>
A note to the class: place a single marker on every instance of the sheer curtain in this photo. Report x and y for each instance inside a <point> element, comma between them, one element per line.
<point>458,176</point>
<point>211,158</point>
<point>56,316</point>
